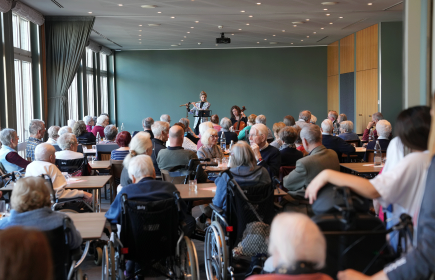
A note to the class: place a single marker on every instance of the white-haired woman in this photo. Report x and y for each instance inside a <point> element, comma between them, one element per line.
<point>210,149</point>
<point>53,134</point>
<point>68,143</point>
<point>110,133</point>
<point>245,171</point>
<point>297,248</point>
<point>102,122</point>
<point>65,129</point>
<point>202,129</point>
<point>9,157</point>
<point>226,124</point>
<point>140,145</point>
<point>89,121</point>
<point>346,131</point>
<point>83,136</point>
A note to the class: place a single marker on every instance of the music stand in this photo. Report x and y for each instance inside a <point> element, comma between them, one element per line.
<point>203,114</point>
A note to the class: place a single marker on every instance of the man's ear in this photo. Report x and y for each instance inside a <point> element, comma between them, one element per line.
<point>133,179</point>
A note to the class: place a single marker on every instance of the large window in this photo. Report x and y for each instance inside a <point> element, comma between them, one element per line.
<point>103,84</point>
<point>90,82</point>
<point>73,100</point>
<point>23,75</point>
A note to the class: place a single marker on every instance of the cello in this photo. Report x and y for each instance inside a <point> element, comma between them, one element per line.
<point>239,125</point>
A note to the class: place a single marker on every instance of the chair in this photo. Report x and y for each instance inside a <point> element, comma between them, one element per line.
<point>150,236</point>
<point>370,155</point>
<point>249,208</point>
<point>355,143</point>
<point>115,170</point>
<point>174,180</point>
<point>104,150</point>
<point>77,167</point>
<point>284,171</point>
<point>79,148</point>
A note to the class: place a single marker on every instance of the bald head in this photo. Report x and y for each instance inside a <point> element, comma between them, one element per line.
<point>176,136</point>
<point>45,152</point>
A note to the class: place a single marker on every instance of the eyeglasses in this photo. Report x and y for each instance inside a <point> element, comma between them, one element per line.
<point>215,136</point>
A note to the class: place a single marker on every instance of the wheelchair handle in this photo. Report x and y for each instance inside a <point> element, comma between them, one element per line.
<point>177,199</point>
<point>228,173</point>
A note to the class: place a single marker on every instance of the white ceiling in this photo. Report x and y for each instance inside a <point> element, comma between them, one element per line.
<point>121,23</point>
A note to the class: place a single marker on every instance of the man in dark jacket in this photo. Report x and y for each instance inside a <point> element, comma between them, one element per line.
<point>333,142</point>
<point>161,133</point>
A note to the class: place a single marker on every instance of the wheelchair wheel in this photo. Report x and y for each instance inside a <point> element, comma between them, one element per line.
<point>215,252</point>
<point>189,266</point>
<point>98,256</point>
<point>108,263</point>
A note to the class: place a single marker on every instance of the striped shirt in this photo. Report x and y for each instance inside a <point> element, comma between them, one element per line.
<point>119,155</point>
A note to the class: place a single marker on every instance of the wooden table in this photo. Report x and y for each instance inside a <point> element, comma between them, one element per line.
<point>95,183</point>
<point>90,225</point>
<point>361,167</point>
<point>360,150</point>
<point>100,164</point>
<point>206,191</point>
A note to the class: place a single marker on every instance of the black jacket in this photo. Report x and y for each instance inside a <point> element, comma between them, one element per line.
<point>157,146</point>
<point>337,144</point>
<point>289,156</point>
<point>86,138</point>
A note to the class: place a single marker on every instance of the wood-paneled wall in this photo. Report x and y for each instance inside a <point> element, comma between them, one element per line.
<point>332,50</point>
<point>367,48</point>
<point>366,98</point>
<point>333,97</point>
<point>347,54</point>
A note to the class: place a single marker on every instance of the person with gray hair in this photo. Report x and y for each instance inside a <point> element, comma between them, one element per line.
<point>334,142</point>
<point>341,118</point>
<point>202,129</point>
<point>102,122</point>
<point>346,131</point>
<point>37,132</point>
<point>304,118</point>
<point>332,116</point>
<point>44,163</point>
<point>9,157</point>
<point>65,129</point>
<point>295,240</point>
<point>313,119</point>
<point>83,136</point>
<point>165,118</point>
<point>161,135</point>
<point>319,159</point>
<point>188,131</point>
<point>53,134</point>
<point>110,132</point>
<point>210,149</point>
<point>146,124</point>
<point>229,135</point>
<point>289,120</point>
<point>383,127</point>
<point>262,119</point>
<point>266,155</point>
<point>372,125</point>
<point>89,121</point>
<point>68,143</point>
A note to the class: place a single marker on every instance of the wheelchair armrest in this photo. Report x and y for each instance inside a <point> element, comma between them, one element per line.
<point>76,254</point>
<point>113,227</point>
<point>220,211</point>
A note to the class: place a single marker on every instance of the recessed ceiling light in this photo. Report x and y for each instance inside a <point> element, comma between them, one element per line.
<point>120,5</point>
<point>192,27</point>
<point>188,31</point>
<point>251,16</point>
<point>153,24</point>
<point>325,9</point>
<point>185,36</point>
<point>258,3</point>
<point>242,11</point>
<point>369,4</point>
<point>196,21</point>
<point>329,3</point>
<point>172,17</point>
<point>314,32</point>
<point>297,22</point>
<point>140,24</point>
<point>265,39</point>
<point>292,43</point>
<point>89,12</point>
<point>273,35</point>
<point>182,40</point>
<point>258,42</point>
<point>308,36</point>
<point>330,23</point>
<point>232,34</point>
<point>322,28</point>
<point>294,25</point>
<point>247,24</point>
<point>148,6</point>
<point>307,19</point>
<point>140,39</point>
<point>283,31</point>
<point>328,15</point>
<point>140,30</point>
<point>140,35</point>
<point>159,12</point>
<point>340,17</point>
<point>302,40</point>
<point>240,29</point>
<point>174,45</point>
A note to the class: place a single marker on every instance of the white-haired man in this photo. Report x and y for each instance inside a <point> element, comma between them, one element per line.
<point>318,159</point>
<point>146,124</point>
<point>334,142</point>
<point>297,248</point>
<point>375,118</point>
<point>37,132</point>
<point>383,127</point>
<point>262,119</point>
<point>44,164</point>
<point>165,118</point>
<point>65,129</point>
<point>161,135</point>
<point>304,118</point>
<point>267,156</point>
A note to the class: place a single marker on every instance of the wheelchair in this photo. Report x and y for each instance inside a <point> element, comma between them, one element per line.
<point>239,232</point>
<point>150,238</point>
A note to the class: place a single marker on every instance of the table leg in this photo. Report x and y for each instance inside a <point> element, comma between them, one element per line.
<point>94,201</point>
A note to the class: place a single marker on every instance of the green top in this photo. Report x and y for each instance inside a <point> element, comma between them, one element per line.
<point>243,132</point>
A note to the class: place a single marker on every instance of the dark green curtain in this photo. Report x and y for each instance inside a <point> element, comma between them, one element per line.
<point>65,39</point>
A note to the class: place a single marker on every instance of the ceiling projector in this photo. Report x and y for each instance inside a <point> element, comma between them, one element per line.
<point>223,40</point>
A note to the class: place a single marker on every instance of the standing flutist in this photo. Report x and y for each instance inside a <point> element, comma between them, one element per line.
<point>198,106</point>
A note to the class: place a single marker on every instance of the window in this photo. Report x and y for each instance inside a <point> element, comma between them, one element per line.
<point>73,100</point>
<point>103,84</point>
<point>23,75</point>
<point>91,97</point>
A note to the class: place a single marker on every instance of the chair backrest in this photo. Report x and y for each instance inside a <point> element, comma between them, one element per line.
<point>73,165</point>
<point>79,148</point>
<point>116,170</point>
<point>60,251</point>
<point>355,143</point>
<point>174,180</point>
<point>371,155</point>
<point>284,171</point>
<point>149,229</point>
<point>104,150</point>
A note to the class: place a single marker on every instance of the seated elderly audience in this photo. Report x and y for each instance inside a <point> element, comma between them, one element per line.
<point>102,122</point>
<point>71,123</point>
<point>161,135</point>
<point>244,134</point>
<point>37,132</point>
<point>89,121</point>
<point>188,133</point>
<point>53,134</point>
<point>289,153</point>
<point>346,131</point>
<point>304,118</point>
<point>26,254</point>
<point>297,249</point>
<point>146,124</point>
<point>298,141</point>
<point>68,143</point>
<point>145,188</point>
<point>332,116</point>
<point>31,207</point>
<point>123,140</point>
<point>110,132</point>
<point>245,171</point>
<point>277,143</point>
<point>202,128</point>
<point>44,164</point>
<point>289,120</point>
<point>267,156</point>
<point>9,157</point>
<point>83,136</point>
<point>334,142</point>
<point>65,129</point>
<point>262,119</point>
<point>383,128</point>
<point>215,121</point>
<point>375,118</point>
<point>210,149</point>
<point>341,118</point>
<point>226,124</point>
<point>165,118</point>
<point>319,159</point>
<point>176,155</point>
<point>313,119</point>
<point>187,143</point>
<point>139,145</point>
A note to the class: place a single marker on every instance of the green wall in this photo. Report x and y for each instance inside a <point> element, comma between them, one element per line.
<point>391,40</point>
<point>274,82</point>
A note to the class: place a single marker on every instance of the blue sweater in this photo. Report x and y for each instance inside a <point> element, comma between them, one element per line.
<point>43,219</point>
